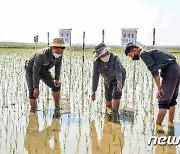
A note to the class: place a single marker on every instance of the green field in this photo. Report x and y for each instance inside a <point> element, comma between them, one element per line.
<point>83,126</point>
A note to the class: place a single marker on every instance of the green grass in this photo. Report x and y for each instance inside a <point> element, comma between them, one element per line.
<point>40,45</point>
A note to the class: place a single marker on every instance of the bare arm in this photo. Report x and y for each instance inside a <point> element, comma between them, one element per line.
<point>158,82</point>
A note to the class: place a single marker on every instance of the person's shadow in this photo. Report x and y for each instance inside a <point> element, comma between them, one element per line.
<point>37,142</point>
<point>112,138</point>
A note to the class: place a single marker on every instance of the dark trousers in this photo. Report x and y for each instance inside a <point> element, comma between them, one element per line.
<point>45,77</point>
<point>111,91</point>
<point>170,85</point>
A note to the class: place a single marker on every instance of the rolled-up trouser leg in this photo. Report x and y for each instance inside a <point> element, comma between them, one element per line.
<point>116,94</point>
<point>111,92</point>
<point>170,86</point>
<point>108,92</point>
<point>49,81</point>
<point>29,80</point>
<point>175,96</point>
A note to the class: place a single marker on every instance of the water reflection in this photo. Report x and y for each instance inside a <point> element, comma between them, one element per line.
<point>74,135</point>
<point>127,115</point>
<point>112,138</point>
<point>166,149</point>
<point>38,142</point>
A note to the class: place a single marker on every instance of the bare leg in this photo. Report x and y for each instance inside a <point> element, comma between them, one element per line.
<point>159,120</point>
<point>160,116</point>
<point>109,104</point>
<point>33,104</point>
<point>170,123</point>
<point>115,104</point>
<point>171,114</point>
<point>56,96</point>
<point>115,107</point>
<point>108,107</point>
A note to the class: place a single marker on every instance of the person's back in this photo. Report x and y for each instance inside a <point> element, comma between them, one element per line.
<point>156,58</point>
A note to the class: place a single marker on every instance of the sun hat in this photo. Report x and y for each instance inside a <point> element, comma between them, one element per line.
<point>100,49</point>
<point>58,42</point>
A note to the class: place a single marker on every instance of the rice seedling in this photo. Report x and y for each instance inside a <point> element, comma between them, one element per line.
<point>138,107</point>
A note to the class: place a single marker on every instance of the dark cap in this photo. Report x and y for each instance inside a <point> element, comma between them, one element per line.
<point>129,47</point>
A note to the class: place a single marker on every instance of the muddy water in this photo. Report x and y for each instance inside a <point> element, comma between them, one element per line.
<point>83,127</point>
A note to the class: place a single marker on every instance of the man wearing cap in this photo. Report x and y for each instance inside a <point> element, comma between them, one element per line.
<point>159,59</point>
<point>38,66</point>
<point>114,74</point>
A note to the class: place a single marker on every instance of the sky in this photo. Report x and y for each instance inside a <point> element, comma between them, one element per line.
<point>22,19</point>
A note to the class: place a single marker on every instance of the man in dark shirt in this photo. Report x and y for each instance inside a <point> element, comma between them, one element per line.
<point>114,74</point>
<point>159,59</point>
<point>38,66</point>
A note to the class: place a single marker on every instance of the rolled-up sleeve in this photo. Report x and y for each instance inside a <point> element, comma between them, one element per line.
<point>58,69</point>
<point>38,61</point>
<point>95,77</point>
<point>119,69</point>
<point>150,63</point>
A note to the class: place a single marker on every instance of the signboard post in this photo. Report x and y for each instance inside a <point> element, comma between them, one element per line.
<point>83,46</point>
<point>36,41</point>
<point>66,34</point>
<point>48,38</point>
<point>154,34</point>
<point>129,35</point>
<point>103,36</point>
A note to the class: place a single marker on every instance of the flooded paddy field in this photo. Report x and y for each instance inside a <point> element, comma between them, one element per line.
<point>83,126</point>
